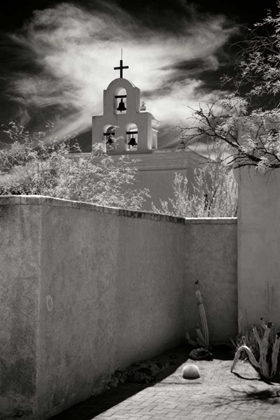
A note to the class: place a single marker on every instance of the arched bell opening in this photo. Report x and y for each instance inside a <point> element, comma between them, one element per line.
<point>154,144</point>
<point>120,101</point>
<point>131,137</point>
<point>109,138</point>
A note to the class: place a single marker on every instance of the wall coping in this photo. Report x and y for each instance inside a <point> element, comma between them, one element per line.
<point>155,160</point>
<point>36,200</point>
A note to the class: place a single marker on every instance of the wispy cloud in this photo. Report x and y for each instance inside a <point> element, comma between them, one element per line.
<point>72,52</point>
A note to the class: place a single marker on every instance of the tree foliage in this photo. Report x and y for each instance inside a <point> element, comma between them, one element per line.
<point>214,194</point>
<point>32,165</point>
<point>247,117</point>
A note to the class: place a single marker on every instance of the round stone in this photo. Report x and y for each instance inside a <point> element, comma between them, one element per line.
<point>190,372</point>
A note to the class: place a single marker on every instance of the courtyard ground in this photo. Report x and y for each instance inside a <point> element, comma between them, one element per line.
<point>217,394</point>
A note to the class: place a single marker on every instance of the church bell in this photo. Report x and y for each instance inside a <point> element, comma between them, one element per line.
<point>121,106</point>
<point>132,142</point>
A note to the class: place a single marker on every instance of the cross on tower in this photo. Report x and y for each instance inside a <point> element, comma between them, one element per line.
<point>121,68</point>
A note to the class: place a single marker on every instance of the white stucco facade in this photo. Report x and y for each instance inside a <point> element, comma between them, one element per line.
<point>142,124</point>
<point>124,120</point>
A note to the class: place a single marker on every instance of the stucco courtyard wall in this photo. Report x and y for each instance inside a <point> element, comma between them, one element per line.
<point>211,258</point>
<point>88,290</point>
<point>20,279</point>
<point>258,246</point>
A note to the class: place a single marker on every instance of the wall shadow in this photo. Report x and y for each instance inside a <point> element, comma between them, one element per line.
<point>139,377</point>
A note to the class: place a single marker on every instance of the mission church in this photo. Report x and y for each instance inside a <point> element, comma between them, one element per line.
<point>126,128</point>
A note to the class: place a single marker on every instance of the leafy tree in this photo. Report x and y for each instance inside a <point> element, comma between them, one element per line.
<point>247,119</point>
<point>32,165</point>
<point>214,194</point>
<point>243,125</point>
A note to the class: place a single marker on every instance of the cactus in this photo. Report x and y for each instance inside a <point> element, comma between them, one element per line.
<point>266,369</point>
<point>202,339</point>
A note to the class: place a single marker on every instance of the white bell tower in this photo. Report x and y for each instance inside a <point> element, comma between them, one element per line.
<point>125,126</point>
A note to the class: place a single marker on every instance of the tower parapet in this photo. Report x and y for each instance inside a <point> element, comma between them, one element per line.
<point>125,127</point>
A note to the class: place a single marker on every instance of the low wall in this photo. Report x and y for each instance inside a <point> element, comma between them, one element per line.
<point>86,290</point>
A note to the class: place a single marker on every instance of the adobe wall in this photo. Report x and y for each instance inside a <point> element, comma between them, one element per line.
<point>258,246</point>
<point>20,280</point>
<point>90,290</point>
<point>211,258</point>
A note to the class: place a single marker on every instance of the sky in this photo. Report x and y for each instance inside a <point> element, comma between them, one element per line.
<point>57,57</point>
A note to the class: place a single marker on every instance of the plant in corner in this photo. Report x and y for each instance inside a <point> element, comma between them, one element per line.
<point>269,345</point>
<point>202,340</point>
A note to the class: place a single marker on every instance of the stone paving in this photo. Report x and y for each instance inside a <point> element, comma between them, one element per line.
<point>217,395</point>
